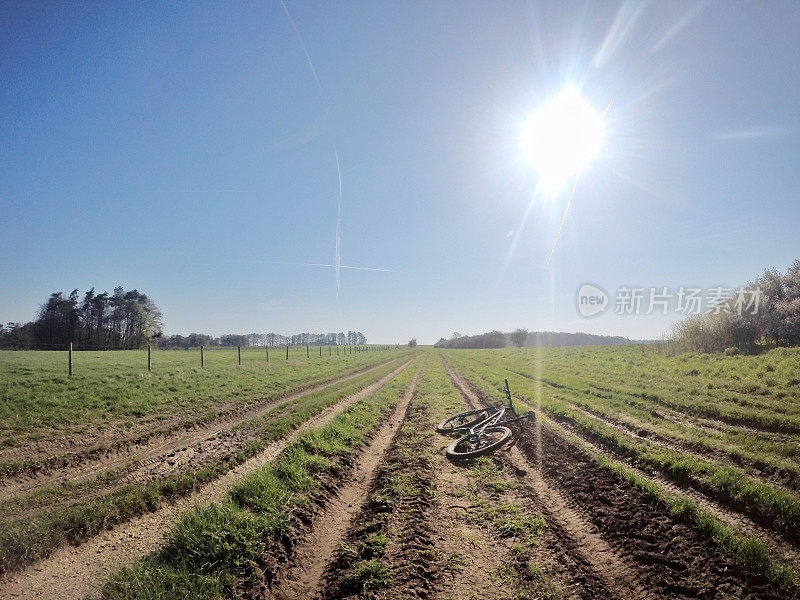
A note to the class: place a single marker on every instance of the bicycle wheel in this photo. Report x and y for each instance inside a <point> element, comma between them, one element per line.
<point>463,420</point>
<point>492,439</point>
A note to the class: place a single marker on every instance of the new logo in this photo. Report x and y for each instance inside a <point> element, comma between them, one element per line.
<point>592,300</point>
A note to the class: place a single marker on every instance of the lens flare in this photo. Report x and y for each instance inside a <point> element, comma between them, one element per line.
<point>560,137</point>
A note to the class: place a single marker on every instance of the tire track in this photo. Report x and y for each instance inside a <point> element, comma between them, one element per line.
<point>76,572</point>
<point>303,577</point>
<point>387,552</point>
<point>709,424</point>
<point>781,548</point>
<point>670,555</point>
<point>777,539</point>
<point>667,413</point>
<point>740,421</point>
<point>617,574</point>
<point>766,471</point>
<point>162,450</point>
<point>550,564</point>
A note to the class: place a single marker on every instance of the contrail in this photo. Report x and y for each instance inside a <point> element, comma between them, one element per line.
<point>303,44</point>
<point>571,196</point>
<point>564,218</point>
<point>337,255</point>
<point>336,266</point>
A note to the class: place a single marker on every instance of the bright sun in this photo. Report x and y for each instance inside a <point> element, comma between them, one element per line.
<point>560,137</point>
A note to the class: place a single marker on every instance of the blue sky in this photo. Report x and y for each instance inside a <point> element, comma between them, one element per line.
<point>186,150</point>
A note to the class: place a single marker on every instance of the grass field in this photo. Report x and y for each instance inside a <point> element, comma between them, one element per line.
<point>114,389</point>
<point>643,476</point>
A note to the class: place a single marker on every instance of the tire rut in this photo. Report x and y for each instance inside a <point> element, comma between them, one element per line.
<point>616,574</point>
<point>175,447</point>
<point>779,547</point>
<point>303,577</point>
<point>75,572</point>
<point>669,555</point>
<point>387,551</point>
<point>778,540</point>
<point>765,471</point>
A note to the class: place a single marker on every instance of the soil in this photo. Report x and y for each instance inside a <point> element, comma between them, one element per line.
<point>769,532</point>
<point>77,572</point>
<point>158,456</point>
<point>405,520</point>
<point>79,457</point>
<point>313,552</point>
<point>658,554</point>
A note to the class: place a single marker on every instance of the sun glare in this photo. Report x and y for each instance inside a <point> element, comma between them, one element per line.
<point>560,137</point>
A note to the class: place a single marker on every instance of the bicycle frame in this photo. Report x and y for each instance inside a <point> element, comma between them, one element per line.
<point>496,414</point>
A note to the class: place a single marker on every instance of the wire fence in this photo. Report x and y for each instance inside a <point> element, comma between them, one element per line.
<point>153,359</point>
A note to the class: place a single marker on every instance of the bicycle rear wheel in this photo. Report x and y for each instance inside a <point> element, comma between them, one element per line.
<point>463,420</point>
<point>472,446</point>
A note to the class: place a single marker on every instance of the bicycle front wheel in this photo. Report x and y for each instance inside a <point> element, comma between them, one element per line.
<point>463,420</point>
<point>468,446</point>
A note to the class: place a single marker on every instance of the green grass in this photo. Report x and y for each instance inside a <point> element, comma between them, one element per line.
<point>368,574</point>
<point>23,541</point>
<point>730,485</point>
<point>224,546</point>
<point>38,400</point>
<point>556,390</point>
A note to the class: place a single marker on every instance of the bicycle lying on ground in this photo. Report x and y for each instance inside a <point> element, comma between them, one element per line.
<point>481,430</point>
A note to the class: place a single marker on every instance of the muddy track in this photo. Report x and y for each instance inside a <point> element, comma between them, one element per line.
<point>698,418</point>
<point>783,542</point>
<point>771,473</point>
<point>709,424</point>
<point>159,455</point>
<point>670,558</point>
<point>770,537</point>
<point>75,572</point>
<point>776,539</point>
<point>478,555</point>
<point>310,557</point>
<point>553,563</point>
<point>603,565</point>
<point>392,529</point>
<point>775,474</point>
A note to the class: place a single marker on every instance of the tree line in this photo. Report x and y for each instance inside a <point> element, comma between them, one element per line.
<point>547,339</point>
<point>491,339</point>
<point>117,320</point>
<point>131,320</point>
<point>194,340</point>
<point>523,337</point>
<point>774,322</point>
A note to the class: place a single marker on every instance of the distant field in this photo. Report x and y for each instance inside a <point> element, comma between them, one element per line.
<point>39,400</point>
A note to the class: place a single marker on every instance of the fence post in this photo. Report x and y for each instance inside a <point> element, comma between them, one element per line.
<point>307,354</point>
<point>70,359</point>
<point>320,351</point>
<point>287,351</point>
<point>267,347</point>
<point>239,352</point>
<point>329,351</point>
<point>148,358</point>
<point>202,359</point>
